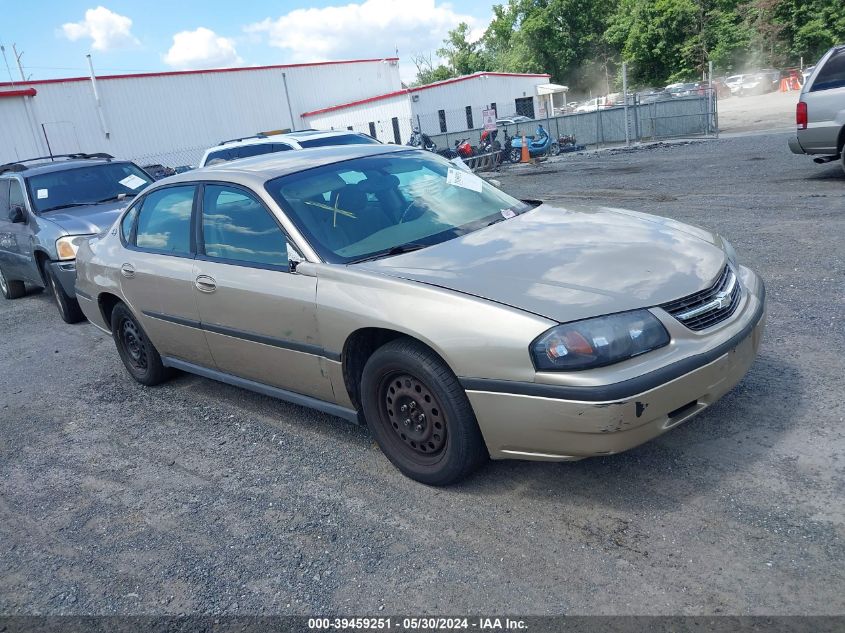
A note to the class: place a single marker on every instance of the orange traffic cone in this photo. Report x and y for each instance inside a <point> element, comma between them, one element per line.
<point>526,155</point>
<point>784,85</point>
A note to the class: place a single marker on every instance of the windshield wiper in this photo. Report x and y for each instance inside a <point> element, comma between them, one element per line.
<point>117,197</point>
<point>394,250</point>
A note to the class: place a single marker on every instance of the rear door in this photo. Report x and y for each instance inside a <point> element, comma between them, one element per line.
<point>826,105</point>
<point>259,317</point>
<point>157,273</point>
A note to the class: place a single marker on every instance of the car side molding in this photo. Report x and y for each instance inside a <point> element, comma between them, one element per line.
<point>267,390</point>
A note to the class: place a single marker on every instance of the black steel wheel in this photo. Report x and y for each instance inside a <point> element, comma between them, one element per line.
<point>68,306</point>
<point>11,289</point>
<point>420,415</point>
<point>138,354</point>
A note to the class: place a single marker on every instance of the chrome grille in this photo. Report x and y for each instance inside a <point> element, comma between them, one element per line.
<point>709,307</point>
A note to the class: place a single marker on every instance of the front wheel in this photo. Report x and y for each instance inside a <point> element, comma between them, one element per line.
<point>554,149</point>
<point>68,306</point>
<point>138,354</point>
<point>420,415</point>
<point>515,155</point>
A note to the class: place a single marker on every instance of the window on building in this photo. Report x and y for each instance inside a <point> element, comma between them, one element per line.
<point>396,137</point>
<point>525,107</point>
<point>373,130</point>
<point>469,118</point>
<point>349,127</point>
<point>442,115</point>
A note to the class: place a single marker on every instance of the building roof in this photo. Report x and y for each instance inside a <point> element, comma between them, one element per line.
<point>173,73</point>
<point>405,91</point>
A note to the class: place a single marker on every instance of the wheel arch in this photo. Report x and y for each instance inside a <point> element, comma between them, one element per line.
<point>360,346</point>
<point>106,302</point>
<point>42,259</point>
<point>840,142</point>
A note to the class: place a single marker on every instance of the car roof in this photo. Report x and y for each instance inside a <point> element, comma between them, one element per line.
<point>276,138</point>
<point>34,169</point>
<point>258,169</point>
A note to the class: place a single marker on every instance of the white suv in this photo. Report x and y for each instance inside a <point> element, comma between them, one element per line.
<point>267,144</point>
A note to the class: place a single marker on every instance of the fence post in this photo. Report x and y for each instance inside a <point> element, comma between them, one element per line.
<point>625,102</point>
<point>637,118</point>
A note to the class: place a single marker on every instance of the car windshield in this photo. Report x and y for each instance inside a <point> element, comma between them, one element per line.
<point>340,139</point>
<point>368,207</point>
<point>91,184</point>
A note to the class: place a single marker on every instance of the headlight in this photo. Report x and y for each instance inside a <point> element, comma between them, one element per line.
<point>67,246</point>
<point>598,342</point>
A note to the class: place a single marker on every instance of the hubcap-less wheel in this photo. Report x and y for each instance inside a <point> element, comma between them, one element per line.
<point>415,415</point>
<point>132,342</point>
<point>3,286</point>
<point>516,155</point>
<point>554,149</point>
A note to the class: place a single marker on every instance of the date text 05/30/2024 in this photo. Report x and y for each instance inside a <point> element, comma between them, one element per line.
<point>423,624</point>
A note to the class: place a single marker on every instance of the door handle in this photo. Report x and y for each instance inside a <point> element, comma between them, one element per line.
<point>204,283</point>
<point>127,270</point>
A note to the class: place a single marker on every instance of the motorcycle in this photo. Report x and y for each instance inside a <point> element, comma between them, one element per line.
<point>461,149</point>
<point>423,140</point>
<point>568,143</point>
<point>489,144</point>
<point>538,145</point>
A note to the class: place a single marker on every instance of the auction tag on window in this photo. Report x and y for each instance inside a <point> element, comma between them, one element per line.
<point>508,213</point>
<point>464,179</point>
<point>42,194</point>
<point>132,181</point>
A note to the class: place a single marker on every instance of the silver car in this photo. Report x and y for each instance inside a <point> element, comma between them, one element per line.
<point>383,285</point>
<point>820,113</point>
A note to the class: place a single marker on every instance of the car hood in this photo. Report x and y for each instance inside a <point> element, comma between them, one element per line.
<point>570,263</point>
<point>89,219</point>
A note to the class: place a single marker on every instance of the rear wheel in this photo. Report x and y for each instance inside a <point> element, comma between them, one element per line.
<point>515,155</point>
<point>138,354</point>
<point>420,415</point>
<point>554,149</point>
<point>11,289</point>
<point>68,306</point>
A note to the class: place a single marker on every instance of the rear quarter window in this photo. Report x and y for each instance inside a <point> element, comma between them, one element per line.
<point>832,74</point>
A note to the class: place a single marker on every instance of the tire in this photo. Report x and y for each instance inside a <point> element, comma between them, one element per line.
<point>68,306</point>
<point>444,444</point>
<point>11,289</point>
<point>554,149</point>
<point>842,158</point>
<point>515,155</point>
<point>138,354</point>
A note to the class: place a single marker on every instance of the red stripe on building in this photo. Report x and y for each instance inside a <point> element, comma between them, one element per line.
<point>436,84</point>
<point>176,73</point>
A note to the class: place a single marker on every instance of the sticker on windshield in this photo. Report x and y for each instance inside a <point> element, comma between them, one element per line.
<point>132,181</point>
<point>508,213</point>
<point>41,194</point>
<point>460,178</point>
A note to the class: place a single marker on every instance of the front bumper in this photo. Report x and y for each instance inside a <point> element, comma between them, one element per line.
<point>540,426</point>
<point>66,274</point>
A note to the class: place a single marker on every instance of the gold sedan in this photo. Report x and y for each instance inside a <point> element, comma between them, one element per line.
<point>387,286</point>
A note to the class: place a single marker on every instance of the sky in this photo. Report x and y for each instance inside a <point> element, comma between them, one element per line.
<point>129,36</point>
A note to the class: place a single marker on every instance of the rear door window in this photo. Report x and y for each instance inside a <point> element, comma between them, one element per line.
<point>164,221</point>
<point>832,74</point>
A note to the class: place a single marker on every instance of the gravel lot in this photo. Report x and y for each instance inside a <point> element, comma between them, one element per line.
<point>198,497</point>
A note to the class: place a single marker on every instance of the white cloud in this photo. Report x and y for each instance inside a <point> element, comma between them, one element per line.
<point>106,29</point>
<point>201,48</point>
<point>373,28</point>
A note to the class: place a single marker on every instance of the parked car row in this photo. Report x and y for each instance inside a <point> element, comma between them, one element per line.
<point>376,282</point>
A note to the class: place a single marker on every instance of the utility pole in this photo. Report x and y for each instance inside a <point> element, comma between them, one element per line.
<point>18,60</point>
<point>6,61</point>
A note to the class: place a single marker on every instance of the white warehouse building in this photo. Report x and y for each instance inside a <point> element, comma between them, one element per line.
<point>452,105</point>
<point>172,117</point>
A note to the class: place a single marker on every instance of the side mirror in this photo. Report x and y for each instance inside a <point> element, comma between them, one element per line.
<point>16,214</point>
